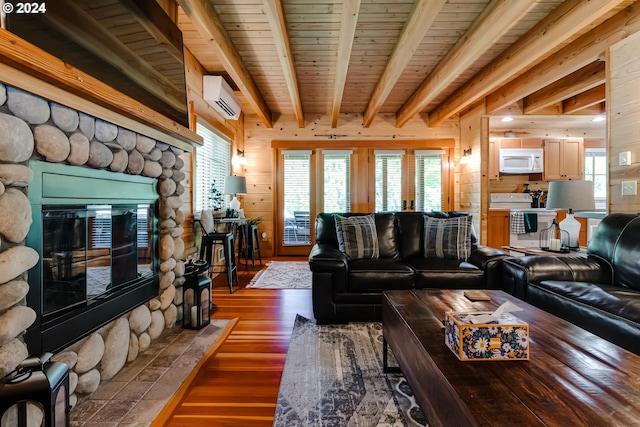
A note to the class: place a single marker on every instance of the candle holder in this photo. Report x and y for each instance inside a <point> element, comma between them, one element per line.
<point>196,306</point>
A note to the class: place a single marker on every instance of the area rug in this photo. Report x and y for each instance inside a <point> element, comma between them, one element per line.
<point>283,275</point>
<point>333,377</point>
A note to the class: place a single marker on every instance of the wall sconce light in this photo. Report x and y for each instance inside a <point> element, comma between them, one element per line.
<point>238,158</point>
<point>466,156</point>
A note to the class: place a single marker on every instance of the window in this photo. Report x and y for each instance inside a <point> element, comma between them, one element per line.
<point>388,179</point>
<point>337,180</point>
<point>213,164</point>
<point>297,196</point>
<point>595,169</point>
<point>428,180</point>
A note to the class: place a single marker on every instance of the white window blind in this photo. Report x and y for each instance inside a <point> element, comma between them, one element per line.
<point>213,164</point>
<point>595,169</point>
<point>143,227</point>
<point>101,229</point>
<point>388,176</point>
<point>337,180</point>
<point>297,184</point>
<point>428,180</point>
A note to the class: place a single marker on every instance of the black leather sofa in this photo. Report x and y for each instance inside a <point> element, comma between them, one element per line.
<point>599,292</point>
<point>351,290</point>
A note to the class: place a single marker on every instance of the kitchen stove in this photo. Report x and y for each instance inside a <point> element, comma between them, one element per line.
<point>520,203</point>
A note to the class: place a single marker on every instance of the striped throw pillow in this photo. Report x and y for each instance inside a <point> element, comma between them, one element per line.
<point>448,237</point>
<point>357,236</point>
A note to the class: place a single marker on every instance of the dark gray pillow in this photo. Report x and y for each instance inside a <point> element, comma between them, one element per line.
<point>357,236</point>
<point>448,237</point>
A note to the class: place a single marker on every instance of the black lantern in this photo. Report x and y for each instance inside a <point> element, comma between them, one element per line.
<point>196,305</point>
<point>554,239</point>
<point>39,382</point>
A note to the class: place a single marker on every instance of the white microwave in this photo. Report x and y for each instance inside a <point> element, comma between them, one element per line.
<point>521,160</point>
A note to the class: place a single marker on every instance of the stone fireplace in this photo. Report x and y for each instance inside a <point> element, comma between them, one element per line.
<point>95,234</point>
<point>142,267</point>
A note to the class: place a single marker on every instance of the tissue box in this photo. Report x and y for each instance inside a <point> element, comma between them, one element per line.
<point>505,339</point>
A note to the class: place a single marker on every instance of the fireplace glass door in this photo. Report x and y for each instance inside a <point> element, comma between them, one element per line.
<point>90,251</point>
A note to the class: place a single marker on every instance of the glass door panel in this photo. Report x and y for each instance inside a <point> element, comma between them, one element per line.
<point>388,180</point>
<point>294,202</point>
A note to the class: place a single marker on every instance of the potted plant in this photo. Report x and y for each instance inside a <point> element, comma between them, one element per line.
<point>215,198</point>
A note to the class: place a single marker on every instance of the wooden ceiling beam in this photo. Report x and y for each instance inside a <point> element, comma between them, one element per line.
<point>579,81</point>
<point>570,58</point>
<point>348,23</point>
<point>581,101</point>
<point>496,19</point>
<point>203,15</point>
<point>68,18</point>
<point>157,23</point>
<point>556,28</point>
<point>278,24</point>
<point>591,110</point>
<point>422,17</point>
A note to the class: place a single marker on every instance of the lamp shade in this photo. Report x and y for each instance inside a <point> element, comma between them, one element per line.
<point>235,185</point>
<point>571,194</point>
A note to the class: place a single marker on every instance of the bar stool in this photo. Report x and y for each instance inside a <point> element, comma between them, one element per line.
<point>243,236</point>
<point>207,252</point>
<point>254,244</point>
<point>211,238</point>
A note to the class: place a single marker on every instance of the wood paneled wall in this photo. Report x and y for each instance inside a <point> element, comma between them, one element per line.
<point>623,119</point>
<point>260,168</point>
<point>474,135</point>
<point>233,130</point>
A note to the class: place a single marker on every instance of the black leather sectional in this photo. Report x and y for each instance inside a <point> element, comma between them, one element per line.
<point>351,290</point>
<point>599,292</point>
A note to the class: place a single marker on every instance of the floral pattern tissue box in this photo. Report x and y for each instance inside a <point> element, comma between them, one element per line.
<point>504,339</point>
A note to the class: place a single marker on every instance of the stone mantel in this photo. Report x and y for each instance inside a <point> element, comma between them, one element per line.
<point>29,68</point>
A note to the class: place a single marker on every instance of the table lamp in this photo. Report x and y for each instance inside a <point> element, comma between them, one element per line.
<point>571,195</point>
<point>235,185</point>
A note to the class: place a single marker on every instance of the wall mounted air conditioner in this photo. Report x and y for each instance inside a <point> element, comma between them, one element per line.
<point>217,92</point>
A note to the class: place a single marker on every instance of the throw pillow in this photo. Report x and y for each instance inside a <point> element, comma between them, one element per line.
<point>448,237</point>
<point>206,220</point>
<point>357,236</point>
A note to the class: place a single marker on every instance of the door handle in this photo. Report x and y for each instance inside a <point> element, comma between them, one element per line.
<point>404,205</point>
<point>413,205</point>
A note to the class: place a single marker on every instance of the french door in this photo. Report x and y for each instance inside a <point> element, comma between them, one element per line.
<point>409,180</point>
<point>360,179</point>
<point>295,210</point>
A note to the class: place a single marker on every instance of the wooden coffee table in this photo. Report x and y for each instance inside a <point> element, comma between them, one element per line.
<point>573,378</point>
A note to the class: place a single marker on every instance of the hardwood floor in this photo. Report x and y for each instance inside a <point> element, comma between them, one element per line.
<point>238,386</point>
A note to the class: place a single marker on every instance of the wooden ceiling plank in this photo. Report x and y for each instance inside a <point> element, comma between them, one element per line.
<point>68,18</point>
<point>157,23</point>
<point>422,17</point>
<point>579,81</point>
<point>494,21</point>
<point>581,101</point>
<point>206,20</point>
<point>349,20</point>
<point>570,58</point>
<point>561,24</point>
<point>275,15</point>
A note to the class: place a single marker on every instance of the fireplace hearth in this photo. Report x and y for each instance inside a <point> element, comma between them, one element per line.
<point>95,232</point>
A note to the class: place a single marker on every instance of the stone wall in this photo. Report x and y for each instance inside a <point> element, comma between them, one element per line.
<point>34,128</point>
